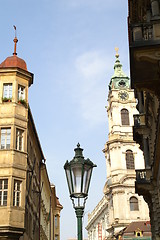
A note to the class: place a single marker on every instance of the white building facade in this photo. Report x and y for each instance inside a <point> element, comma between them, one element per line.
<point>97,220</point>
<point>123,156</point>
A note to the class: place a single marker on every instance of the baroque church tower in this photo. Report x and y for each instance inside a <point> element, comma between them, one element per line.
<point>120,204</point>
<point>122,155</point>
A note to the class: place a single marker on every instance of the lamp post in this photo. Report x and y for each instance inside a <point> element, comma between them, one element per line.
<point>78,174</point>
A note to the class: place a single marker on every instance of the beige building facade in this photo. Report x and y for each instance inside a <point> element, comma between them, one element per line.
<point>50,209</point>
<point>21,158</point>
<point>46,221</point>
<point>56,208</point>
<point>122,156</point>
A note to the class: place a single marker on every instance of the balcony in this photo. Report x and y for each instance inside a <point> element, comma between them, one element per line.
<point>144,34</point>
<point>143,176</point>
<point>144,44</point>
<point>143,183</point>
<point>139,128</point>
<point>139,120</point>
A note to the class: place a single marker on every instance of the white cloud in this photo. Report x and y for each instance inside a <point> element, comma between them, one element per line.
<point>92,85</point>
<point>91,64</point>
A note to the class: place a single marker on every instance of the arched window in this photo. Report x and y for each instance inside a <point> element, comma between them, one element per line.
<point>133,204</point>
<point>129,159</point>
<point>125,116</point>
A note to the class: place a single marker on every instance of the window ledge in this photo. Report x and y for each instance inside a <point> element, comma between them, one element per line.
<point>18,208</point>
<point>6,100</point>
<point>20,151</point>
<point>22,103</point>
<point>13,149</point>
<point>5,149</point>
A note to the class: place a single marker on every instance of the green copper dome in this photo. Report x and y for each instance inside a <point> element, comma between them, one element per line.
<point>119,79</point>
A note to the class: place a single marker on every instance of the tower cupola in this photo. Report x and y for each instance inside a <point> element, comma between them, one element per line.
<point>119,79</point>
<point>13,64</point>
<point>14,61</point>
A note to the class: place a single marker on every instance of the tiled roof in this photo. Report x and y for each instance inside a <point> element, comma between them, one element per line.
<point>14,61</point>
<point>141,225</point>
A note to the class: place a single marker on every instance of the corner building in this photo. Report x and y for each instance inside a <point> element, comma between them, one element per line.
<point>123,156</point>
<point>21,156</point>
<point>144,46</point>
<point>17,157</point>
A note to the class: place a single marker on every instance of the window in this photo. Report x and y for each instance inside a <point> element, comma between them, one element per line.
<point>26,220</point>
<point>17,193</point>
<point>139,233</point>
<point>125,117</point>
<point>134,204</point>
<point>3,192</point>
<point>129,160</point>
<point>5,138</point>
<point>30,229</point>
<point>56,221</point>
<point>21,92</point>
<point>7,90</point>
<point>19,139</point>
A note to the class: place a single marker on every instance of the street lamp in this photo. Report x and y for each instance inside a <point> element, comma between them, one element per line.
<point>78,174</point>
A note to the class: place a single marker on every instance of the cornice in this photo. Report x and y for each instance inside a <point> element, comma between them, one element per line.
<point>101,206</point>
<point>119,141</point>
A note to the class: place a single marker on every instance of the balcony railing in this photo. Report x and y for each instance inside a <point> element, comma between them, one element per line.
<point>139,120</point>
<point>142,176</point>
<point>142,32</point>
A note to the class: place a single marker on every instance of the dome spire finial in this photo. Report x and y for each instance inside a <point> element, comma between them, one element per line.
<point>15,41</point>
<point>119,78</point>
<point>117,49</point>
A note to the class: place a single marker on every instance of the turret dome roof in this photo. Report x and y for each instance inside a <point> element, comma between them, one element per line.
<point>119,79</point>
<point>14,61</point>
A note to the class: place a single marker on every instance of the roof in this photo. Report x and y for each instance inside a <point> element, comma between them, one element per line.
<point>76,238</point>
<point>14,61</point>
<point>58,203</point>
<point>35,132</point>
<point>141,225</point>
<point>119,80</point>
<point>133,227</point>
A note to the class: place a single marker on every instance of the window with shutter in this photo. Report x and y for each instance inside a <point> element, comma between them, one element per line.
<point>125,117</point>
<point>129,160</point>
<point>134,204</point>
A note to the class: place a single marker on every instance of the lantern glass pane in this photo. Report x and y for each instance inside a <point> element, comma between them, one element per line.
<point>77,178</point>
<point>68,175</point>
<point>86,179</point>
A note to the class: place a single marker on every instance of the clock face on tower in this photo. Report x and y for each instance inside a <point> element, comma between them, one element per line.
<point>123,95</point>
<point>122,83</point>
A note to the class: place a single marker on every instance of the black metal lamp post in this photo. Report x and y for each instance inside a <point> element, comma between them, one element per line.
<point>78,173</point>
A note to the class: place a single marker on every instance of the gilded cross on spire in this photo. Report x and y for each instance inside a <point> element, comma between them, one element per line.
<point>15,41</point>
<point>117,49</point>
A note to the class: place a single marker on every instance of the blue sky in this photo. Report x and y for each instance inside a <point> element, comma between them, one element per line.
<point>69,46</point>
